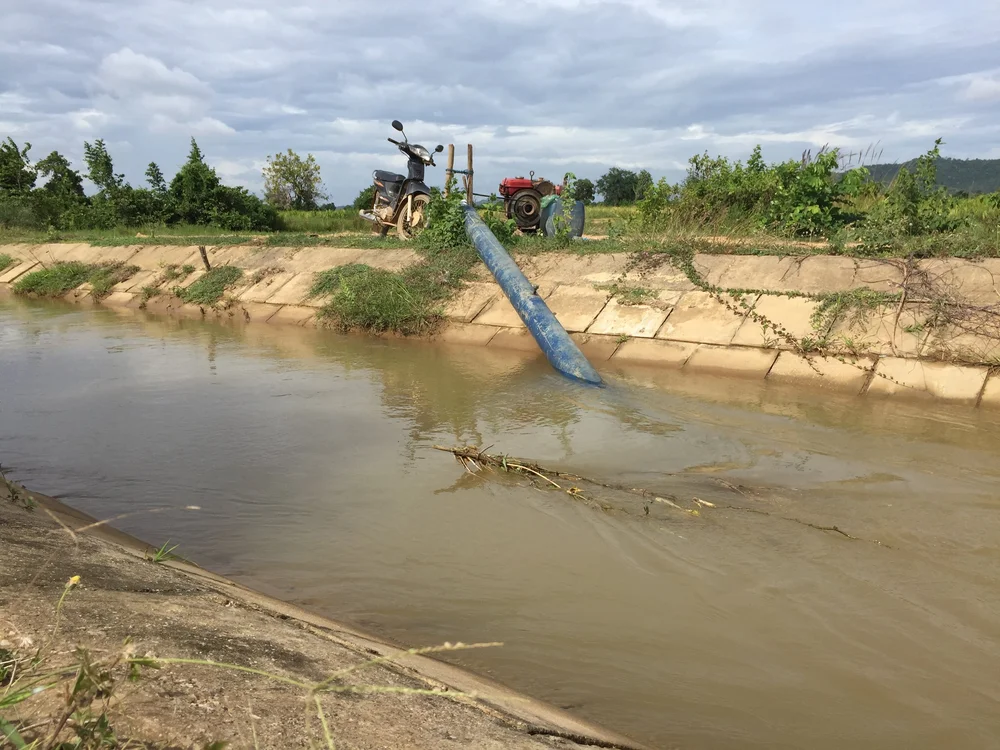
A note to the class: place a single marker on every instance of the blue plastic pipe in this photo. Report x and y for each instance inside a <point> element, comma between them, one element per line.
<point>563,354</point>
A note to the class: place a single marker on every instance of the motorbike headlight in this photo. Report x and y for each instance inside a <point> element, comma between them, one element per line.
<point>422,152</point>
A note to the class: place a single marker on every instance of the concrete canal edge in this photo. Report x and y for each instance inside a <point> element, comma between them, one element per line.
<point>752,317</point>
<point>177,609</point>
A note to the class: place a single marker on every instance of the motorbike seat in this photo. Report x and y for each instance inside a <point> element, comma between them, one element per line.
<point>388,176</point>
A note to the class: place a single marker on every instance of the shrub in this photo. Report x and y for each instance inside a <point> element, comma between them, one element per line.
<point>372,299</point>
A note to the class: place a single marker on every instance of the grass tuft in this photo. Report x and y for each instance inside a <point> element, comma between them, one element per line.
<point>104,276</point>
<point>372,299</point>
<point>6,261</point>
<point>164,553</point>
<point>209,288</point>
<point>54,281</point>
<point>58,279</point>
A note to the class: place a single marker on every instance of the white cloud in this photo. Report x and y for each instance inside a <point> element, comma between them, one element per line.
<point>576,85</point>
<point>983,89</point>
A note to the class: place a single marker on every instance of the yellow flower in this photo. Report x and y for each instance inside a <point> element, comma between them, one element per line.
<point>73,581</point>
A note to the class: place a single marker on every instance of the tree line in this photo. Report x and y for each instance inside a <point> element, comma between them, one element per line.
<point>49,194</point>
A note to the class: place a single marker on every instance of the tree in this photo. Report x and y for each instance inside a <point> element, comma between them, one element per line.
<point>643,182</point>
<point>62,181</point>
<point>618,186</point>
<point>155,178</point>
<point>192,187</point>
<point>365,199</point>
<point>293,182</point>
<point>585,190</point>
<point>101,168</point>
<point>17,176</point>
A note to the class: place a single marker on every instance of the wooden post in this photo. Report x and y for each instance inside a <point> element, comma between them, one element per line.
<point>204,257</point>
<point>468,180</point>
<point>449,171</point>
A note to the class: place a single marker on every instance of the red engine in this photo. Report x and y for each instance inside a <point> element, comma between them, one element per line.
<point>510,185</point>
<point>522,197</point>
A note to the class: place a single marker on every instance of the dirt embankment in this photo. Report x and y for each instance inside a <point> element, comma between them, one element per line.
<point>172,610</point>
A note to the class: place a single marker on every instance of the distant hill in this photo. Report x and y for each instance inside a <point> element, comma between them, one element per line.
<point>969,175</point>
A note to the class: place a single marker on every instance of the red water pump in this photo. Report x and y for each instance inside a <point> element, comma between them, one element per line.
<point>522,199</point>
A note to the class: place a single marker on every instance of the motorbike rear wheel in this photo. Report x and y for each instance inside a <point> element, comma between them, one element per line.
<point>406,228</point>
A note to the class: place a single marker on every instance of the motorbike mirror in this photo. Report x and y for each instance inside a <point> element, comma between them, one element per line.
<point>439,149</point>
<point>397,125</point>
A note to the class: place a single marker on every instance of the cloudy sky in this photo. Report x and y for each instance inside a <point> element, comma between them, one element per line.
<point>549,85</point>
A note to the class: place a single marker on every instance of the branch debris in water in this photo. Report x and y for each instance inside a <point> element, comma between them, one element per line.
<point>477,461</point>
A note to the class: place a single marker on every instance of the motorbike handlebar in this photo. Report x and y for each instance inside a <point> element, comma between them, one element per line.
<point>392,141</point>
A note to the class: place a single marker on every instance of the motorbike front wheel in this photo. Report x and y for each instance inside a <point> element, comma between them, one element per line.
<point>410,227</point>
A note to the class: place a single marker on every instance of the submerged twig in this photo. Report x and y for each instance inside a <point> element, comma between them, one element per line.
<point>484,461</point>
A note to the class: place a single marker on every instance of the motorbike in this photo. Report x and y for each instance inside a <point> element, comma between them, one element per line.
<point>401,202</point>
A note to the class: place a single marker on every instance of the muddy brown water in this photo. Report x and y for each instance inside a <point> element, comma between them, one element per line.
<point>310,455</point>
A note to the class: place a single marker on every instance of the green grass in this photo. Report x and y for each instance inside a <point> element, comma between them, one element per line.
<point>209,289</point>
<point>164,553</point>
<point>54,281</point>
<point>341,220</point>
<point>628,294</point>
<point>105,276</point>
<point>6,261</point>
<point>405,302</point>
<point>60,278</point>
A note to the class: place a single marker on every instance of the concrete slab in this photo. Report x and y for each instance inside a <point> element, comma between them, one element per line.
<point>991,393</point>
<point>295,291</point>
<point>137,282</point>
<point>471,300</point>
<point>561,268</point>
<point>949,342</point>
<point>596,348</point>
<point>500,313</point>
<point>293,315</point>
<point>754,272</point>
<point>824,372</point>
<point>255,312</point>
<point>880,275</point>
<point>91,254</point>
<point>466,333</point>
<point>713,268</point>
<point>390,260</point>
<point>576,307</point>
<point>616,319</point>
<point>266,287</point>
<point>654,352</point>
<point>10,275</point>
<point>896,376</point>
<point>118,299</point>
<point>315,259</point>
<point>59,252</point>
<point>656,271</point>
<point>79,296</point>
<point>732,360</point>
<point>821,273</point>
<point>699,318</point>
<point>186,281</point>
<point>972,283</point>
<point>155,257</point>
<point>878,332</point>
<point>518,339</point>
<point>791,315</point>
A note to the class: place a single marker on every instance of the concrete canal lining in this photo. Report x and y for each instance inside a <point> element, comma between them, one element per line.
<point>747,319</point>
